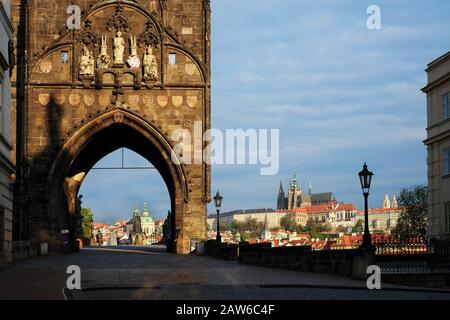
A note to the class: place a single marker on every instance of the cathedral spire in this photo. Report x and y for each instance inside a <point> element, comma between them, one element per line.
<point>310,187</point>
<point>281,190</point>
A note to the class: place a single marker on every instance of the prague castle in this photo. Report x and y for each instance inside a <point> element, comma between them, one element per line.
<point>296,198</point>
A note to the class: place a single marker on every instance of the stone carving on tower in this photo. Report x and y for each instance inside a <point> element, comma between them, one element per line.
<point>133,60</point>
<point>103,60</point>
<point>150,65</point>
<point>119,48</point>
<point>86,63</point>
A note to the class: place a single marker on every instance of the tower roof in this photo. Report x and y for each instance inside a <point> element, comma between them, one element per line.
<point>145,212</point>
<point>294,182</point>
<point>136,212</point>
<point>281,190</point>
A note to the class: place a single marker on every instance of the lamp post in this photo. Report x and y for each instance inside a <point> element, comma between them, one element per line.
<point>218,202</point>
<point>365,177</point>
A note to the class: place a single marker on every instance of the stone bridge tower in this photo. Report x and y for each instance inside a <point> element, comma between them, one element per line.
<point>129,75</point>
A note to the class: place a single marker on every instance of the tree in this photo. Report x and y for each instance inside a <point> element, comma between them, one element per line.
<point>250,224</point>
<point>287,223</point>
<point>412,220</point>
<point>358,228</point>
<point>87,220</point>
<point>236,226</point>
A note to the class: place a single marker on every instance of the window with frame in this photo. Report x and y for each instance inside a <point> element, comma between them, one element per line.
<point>172,58</point>
<point>446,161</point>
<point>1,103</point>
<point>447,217</point>
<point>446,106</point>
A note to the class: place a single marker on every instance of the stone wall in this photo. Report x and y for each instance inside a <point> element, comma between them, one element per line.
<point>6,167</point>
<point>299,258</point>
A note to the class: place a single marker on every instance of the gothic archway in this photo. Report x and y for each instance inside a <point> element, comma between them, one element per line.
<point>113,130</point>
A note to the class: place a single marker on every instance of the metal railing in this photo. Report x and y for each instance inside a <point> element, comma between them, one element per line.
<point>395,256</point>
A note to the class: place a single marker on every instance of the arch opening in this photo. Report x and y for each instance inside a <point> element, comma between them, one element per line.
<point>121,185</point>
<point>95,140</point>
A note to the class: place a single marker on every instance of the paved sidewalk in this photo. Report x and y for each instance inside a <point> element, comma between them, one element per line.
<point>151,273</point>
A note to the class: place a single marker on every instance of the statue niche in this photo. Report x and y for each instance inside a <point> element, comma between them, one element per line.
<point>103,60</point>
<point>119,48</point>
<point>86,67</point>
<point>133,61</point>
<point>150,65</point>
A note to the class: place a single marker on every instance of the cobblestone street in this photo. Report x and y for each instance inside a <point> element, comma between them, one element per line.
<point>151,273</point>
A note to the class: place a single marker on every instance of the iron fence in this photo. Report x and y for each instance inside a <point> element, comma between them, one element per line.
<point>395,256</point>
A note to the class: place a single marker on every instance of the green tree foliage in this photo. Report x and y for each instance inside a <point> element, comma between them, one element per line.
<point>358,228</point>
<point>236,226</point>
<point>412,221</point>
<point>287,223</point>
<point>315,229</point>
<point>87,221</point>
<point>250,224</point>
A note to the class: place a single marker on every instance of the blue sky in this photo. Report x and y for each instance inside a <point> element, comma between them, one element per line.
<point>339,93</point>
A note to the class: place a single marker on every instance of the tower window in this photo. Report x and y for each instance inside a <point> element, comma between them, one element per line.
<point>446,106</point>
<point>446,161</point>
<point>447,217</point>
<point>64,57</point>
<point>172,58</point>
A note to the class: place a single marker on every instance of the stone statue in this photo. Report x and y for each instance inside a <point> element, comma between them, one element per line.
<point>133,61</point>
<point>103,59</point>
<point>86,63</point>
<point>119,48</point>
<point>150,64</point>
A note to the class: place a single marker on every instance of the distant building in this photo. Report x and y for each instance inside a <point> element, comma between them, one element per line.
<point>383,219</point>
<point>438,146</point>
<point>226,218</point>
<point>336,215</point>
<point>296,198</point>
<point>147,222</point>
<point>7,169</point>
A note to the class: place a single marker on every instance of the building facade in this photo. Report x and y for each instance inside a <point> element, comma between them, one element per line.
<point>438,147</point>
<point>382,219</point>
<point>6,167</point>
<point>269,217</point>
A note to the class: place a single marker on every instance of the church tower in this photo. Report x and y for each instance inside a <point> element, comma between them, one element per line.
<point>294,193</point>
<point>387,202</point>
<point>394,201</point>
<point>266,234</point>
<point>281,200</point>
<point>147,222</point>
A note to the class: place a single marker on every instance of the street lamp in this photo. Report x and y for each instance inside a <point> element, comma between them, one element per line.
<point>218,202</point>
<point>365,177</point>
